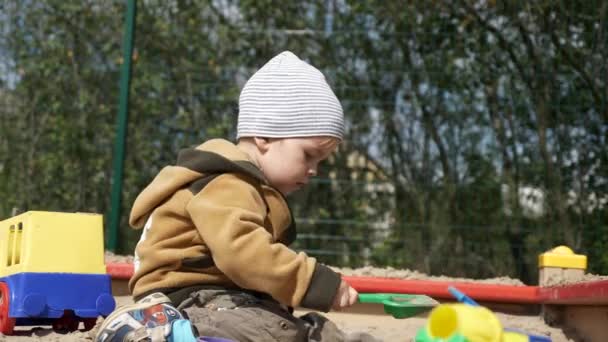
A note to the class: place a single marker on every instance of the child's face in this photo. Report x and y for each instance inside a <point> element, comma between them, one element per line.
<point>289,163</point>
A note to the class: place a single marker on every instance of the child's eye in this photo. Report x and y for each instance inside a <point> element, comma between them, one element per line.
<point>313,154</point>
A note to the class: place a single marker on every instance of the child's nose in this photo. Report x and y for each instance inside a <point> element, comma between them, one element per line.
<point>312,171</point>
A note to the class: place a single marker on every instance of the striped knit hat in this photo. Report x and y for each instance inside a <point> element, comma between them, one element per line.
<point>288,98</point>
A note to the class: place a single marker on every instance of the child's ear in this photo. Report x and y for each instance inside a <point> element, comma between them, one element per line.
<point>262,144</point>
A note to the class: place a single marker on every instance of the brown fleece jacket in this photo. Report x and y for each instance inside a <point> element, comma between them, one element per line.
<point>212,219</point>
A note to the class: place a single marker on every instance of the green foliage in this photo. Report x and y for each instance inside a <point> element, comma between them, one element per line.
<point>454,107</point>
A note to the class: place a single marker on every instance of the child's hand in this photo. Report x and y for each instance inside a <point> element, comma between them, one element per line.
<point>345,297</point>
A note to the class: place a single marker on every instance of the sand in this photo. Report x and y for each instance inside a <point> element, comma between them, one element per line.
<point>573,279</point>
<point>384,327</point>
<point>369,271</point>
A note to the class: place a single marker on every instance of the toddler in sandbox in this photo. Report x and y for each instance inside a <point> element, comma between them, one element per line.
<point>216,225</point>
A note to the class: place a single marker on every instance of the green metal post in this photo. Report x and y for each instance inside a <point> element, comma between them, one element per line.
<point>121,130</point>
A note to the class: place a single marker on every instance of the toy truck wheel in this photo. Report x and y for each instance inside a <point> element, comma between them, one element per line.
<point>66,323</point>
<point>6,323</point>
<point>89,323</point>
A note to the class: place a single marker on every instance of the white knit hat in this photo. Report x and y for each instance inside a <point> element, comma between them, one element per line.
<point>288,98</point>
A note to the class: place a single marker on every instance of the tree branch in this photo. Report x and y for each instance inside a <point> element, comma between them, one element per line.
<point>502,41</point>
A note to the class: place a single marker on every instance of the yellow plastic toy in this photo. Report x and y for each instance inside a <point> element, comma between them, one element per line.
<point>474,323</point>
<point>468,323</point>
<point>39,241</point>
<point>563,257</point>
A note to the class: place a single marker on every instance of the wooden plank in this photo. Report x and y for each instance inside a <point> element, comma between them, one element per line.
<point>585,293</point>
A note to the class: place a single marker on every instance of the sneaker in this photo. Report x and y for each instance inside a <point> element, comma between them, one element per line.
<point>149,319</point>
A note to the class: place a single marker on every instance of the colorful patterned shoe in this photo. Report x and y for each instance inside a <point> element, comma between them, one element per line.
<point>150,319</point>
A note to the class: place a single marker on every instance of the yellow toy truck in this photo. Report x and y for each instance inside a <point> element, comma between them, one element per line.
<point>52,271</point>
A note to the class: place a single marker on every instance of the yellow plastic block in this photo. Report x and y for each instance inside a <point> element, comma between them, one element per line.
<point>40,241</point>
<point>562,257</point>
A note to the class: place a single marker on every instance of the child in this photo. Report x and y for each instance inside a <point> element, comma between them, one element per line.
<point>216,225</point>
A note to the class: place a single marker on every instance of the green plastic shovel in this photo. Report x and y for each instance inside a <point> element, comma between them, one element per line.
<point>400,305</point>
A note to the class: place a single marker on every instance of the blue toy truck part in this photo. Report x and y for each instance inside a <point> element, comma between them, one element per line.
<point>531,338</point>
<point>49,295</point>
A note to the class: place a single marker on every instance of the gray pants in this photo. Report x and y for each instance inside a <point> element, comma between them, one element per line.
<point>243,317</point>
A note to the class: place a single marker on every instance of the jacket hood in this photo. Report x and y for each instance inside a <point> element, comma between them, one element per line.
<point>212,157</point>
